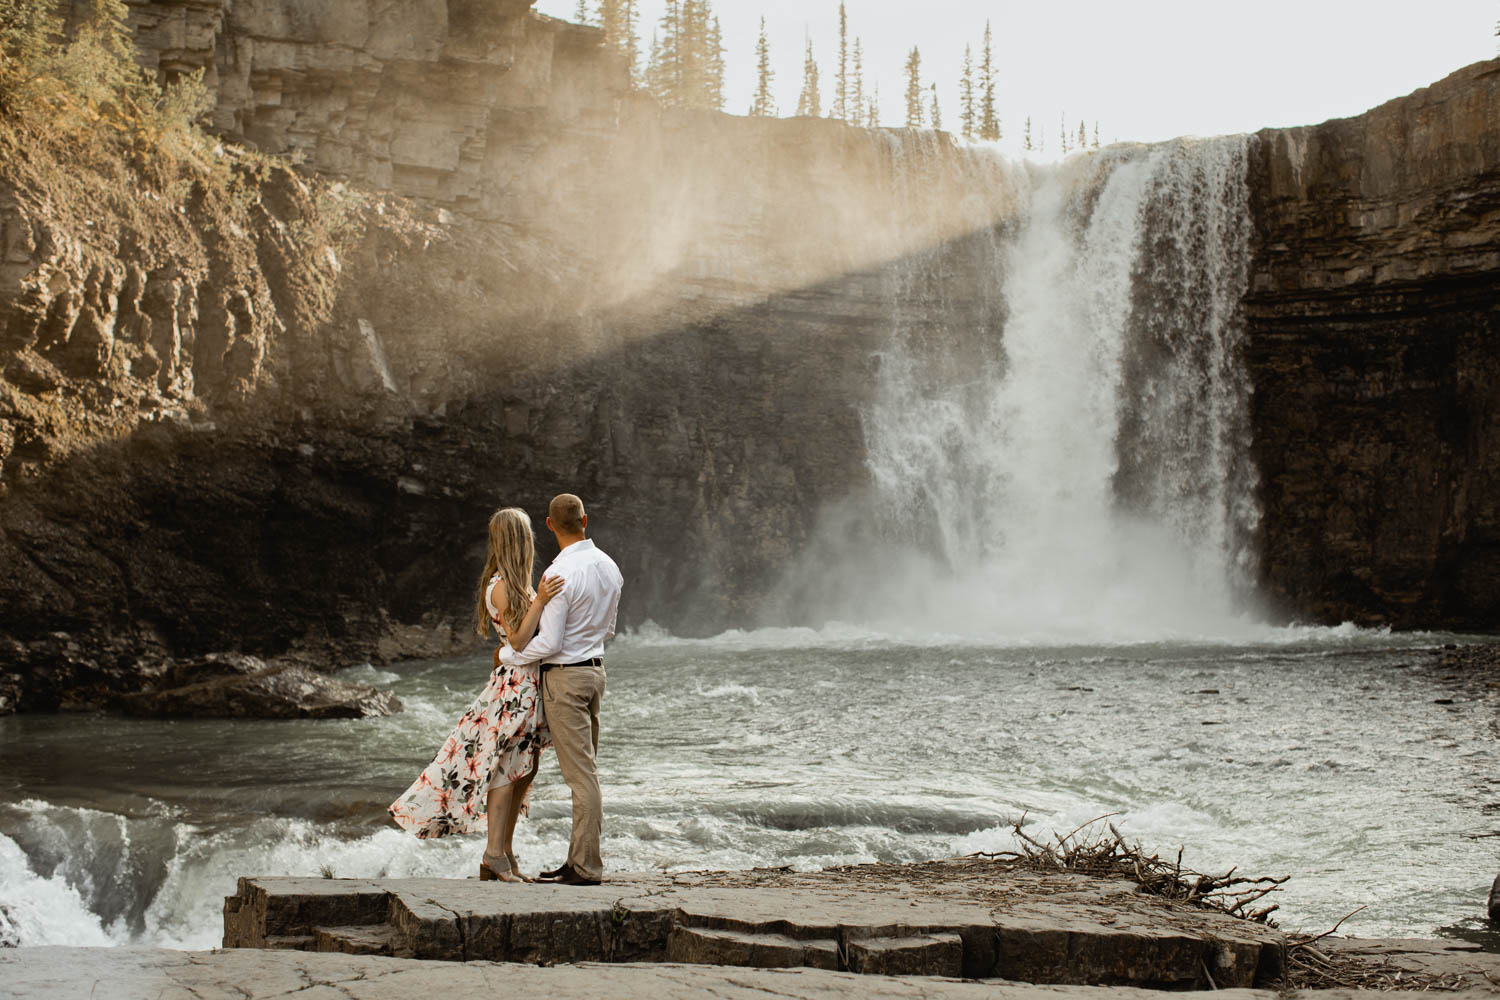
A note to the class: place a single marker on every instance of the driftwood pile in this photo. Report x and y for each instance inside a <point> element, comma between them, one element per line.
<point>1097,848</point>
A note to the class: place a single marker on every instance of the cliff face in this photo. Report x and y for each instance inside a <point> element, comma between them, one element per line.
<point>500,275</point>
<point>672,314</point>
<point>1374,316</point>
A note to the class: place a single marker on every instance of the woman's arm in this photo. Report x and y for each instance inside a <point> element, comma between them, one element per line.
<point>522,634</point>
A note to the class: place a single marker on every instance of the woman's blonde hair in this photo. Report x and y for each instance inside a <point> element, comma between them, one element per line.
<point>512,550</point>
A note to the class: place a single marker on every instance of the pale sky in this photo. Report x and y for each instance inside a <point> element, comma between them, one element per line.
<point>1147,70</point>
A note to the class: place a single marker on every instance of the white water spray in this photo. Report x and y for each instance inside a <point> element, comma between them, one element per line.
<point>1089,480</point>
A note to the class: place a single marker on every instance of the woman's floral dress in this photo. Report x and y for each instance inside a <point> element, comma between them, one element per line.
<point>496,741</point>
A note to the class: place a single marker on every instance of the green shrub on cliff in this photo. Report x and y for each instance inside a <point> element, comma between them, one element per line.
<point>85,87</point>
<point>73,83</point>
<point>81,121</point>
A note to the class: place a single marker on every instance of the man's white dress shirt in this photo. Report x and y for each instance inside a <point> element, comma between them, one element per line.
<point>576,622</point>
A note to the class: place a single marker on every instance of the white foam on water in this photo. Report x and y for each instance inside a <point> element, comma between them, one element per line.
<point>731,690</point>
<point>43,911</point>
<point>1236,631</point>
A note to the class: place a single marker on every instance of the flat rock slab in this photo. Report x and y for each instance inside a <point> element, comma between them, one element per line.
<point>242,974</point>
<point>1394,959</point>
<point>969,918</point>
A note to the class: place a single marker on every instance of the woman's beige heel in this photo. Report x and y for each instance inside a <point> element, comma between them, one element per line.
<point>500,868</point>
<point>495,868</point>
<point>515,868</point>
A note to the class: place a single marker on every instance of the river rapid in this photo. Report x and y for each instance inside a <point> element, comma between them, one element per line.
<point>1328,755</point>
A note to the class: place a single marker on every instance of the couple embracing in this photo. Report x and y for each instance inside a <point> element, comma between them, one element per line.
<point>545,691</point>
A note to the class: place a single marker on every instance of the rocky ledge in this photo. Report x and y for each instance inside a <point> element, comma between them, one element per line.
<point>950,930</point>
<point>235,686</point>
<point>964,918</point>
<point>214,686</point>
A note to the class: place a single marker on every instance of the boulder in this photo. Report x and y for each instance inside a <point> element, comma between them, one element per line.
<point>1494,907</point>
<point>243,687</point>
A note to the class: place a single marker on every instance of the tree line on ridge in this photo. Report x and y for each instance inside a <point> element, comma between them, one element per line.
<point>683,67</point>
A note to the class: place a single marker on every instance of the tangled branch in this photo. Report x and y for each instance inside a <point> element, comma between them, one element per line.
<point>1097,848</point>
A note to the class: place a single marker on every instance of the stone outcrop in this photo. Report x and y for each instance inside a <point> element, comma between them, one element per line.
<point>1374,313</point>
<point>937,920</point>
<point>235,686</point>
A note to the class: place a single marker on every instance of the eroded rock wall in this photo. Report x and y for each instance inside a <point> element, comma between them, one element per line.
<point>673,314</point>
<point>1374,315</point>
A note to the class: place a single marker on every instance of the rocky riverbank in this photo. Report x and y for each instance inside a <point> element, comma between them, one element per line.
<point>1008,919</point>
<point>961,928</point>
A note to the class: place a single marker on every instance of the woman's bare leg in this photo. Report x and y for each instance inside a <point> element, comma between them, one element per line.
<point>519,787</point>
<point>497,809</point>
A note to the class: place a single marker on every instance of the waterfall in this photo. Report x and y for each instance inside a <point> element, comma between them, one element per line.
<point>1065,457</point>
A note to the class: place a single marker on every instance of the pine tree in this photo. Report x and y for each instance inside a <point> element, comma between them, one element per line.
<point>937,112</point>
<point>714,68</point>
<point>1063,128</point>
<point>686,68</point>
<point>631,39</point>
<point>914,116</point>
<point>872,111</point>
<point>617,18</point>
<point>1026,136</point>
<point>810,101</point>
<point>663,70</point>
<point>857,81</point>
<point>1096,133</point>
<point>99,63</point>
<point>966,113</point>
<point>651,79</point>
<point>692,47</point>
<point>841,79</point>
<point>28,49</point>
<point>764,105</point>
<point>609,19</point>
<point>1083,136</point>
<point>581,12</point>
<point>989,123</point>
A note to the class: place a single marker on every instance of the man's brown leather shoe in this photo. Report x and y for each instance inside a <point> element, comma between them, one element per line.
<point>567,876</point>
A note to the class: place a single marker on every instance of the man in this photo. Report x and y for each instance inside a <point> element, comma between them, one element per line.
<point>569,644</point>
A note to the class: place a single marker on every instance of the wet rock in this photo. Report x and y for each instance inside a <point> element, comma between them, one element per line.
<point>1374,348</point>
<point>242,687</point>
<point>1494,902</point>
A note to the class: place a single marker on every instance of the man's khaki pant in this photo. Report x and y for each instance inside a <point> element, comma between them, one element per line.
<point>570,699</point>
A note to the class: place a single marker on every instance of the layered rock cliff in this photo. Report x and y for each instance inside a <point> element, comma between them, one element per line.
<point>292,427</point>
<point>278,426</point>
<point>1374,315</point>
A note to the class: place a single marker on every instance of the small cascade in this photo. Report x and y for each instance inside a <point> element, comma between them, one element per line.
<point>1065,457</point>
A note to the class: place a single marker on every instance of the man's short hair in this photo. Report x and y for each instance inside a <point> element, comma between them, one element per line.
<point>566,513</point>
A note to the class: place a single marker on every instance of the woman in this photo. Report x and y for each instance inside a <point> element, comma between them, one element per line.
<point>482,775</point>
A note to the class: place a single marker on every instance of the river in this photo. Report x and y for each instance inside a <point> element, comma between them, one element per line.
<point>1323,754</point>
